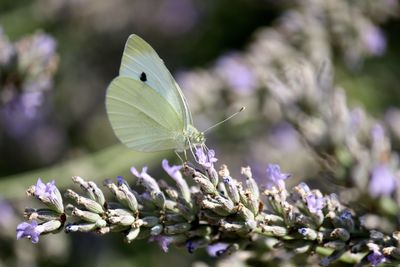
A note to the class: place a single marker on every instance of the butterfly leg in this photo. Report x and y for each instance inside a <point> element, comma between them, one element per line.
<point>176,153</point>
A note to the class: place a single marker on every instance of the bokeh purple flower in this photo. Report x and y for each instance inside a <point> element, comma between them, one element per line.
<point>374,40</point>
<point>6,213</point>
<point>383,182</point>
<point>236,73</point>
<point>176,17</point>
<point>29,230</point>
<point>378,134</point>
<point>27,68</point>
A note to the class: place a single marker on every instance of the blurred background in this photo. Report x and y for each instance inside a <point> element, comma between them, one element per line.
<point>57,58</point>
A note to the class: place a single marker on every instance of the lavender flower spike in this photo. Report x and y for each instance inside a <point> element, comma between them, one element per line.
<point>29,230</point>
<point>275,176</point>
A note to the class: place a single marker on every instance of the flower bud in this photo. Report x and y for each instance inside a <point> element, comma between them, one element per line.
<point>128,198</point>
<point>171,205</point>
<point>346,220</point>
<point>233,226</point>
<point>51,226</point>
<point>253,204</point>
<point>376,235</point>
<point>132,235</point>
<point>84,186</point>
<point>226,203</point>
<point>273,230</point>
<point>84,227</point>
<point>231,189</point>
<point>302,249</point>
<point>173,218</point>
<point>298,246</point>
<point>98,193</point>
<point>159,199</point>
<point>392,252</point>
<point>101,223</point>
<point>245,213</point>
<point>308,233</point>
<point>200,231</point>
<point>359,246</point>
<point>215,207</point>
<point>156,229</point>
<point>252,187</point>
<point>273,219</point>
<point>150,221</point>
<point>206,186</point>
<point>209,217</point>
<point>125,220</point>
<point>213,175</point>
<point>186,212</point>
<point>250,225</point>
<point>87,216</point>
<point>41,214</point>
<point>86,202</point>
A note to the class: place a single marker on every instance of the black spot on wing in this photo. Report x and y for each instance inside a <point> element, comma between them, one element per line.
<point>143,77</point>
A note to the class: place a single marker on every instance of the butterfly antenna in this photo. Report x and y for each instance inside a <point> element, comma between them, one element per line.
<point>230,117</point>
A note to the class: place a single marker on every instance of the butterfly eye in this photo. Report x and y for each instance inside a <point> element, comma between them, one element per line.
<point>143,77</point>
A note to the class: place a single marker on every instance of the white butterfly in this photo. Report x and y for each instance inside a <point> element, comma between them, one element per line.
<point>145,105</point>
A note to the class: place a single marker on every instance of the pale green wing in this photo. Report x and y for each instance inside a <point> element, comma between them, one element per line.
<point>140,117</point>
<point>139,57</point>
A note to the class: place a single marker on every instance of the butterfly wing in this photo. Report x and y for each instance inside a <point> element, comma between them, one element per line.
<point>139,57</point>
<point>141,117</point>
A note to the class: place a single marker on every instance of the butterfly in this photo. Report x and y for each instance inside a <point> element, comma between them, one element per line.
<point>146,107</point>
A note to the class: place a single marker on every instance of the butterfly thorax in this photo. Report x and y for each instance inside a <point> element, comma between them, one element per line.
<point>188,138</point>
